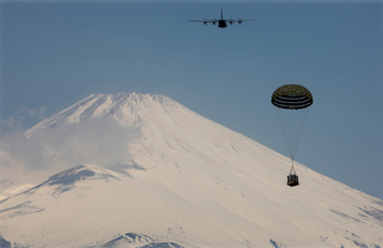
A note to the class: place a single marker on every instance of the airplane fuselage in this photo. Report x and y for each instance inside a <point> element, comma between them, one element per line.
<point>222,24</point>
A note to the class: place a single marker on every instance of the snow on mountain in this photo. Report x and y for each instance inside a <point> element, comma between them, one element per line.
<point>136,240</point>
<point>190,183</point>
<point>127,240</point>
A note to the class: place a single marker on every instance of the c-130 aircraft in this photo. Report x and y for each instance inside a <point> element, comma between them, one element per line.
<point>222,22</point>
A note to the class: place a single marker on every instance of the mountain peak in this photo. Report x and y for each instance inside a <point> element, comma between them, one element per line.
<point>98,105</point>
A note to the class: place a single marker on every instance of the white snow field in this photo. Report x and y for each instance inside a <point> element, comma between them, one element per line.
<point>190,182</point>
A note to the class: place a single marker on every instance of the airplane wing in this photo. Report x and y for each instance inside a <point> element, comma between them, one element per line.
<point>239,20</point>
<point>230,21</point>
<point>205,20</point>
<point>246,20</point>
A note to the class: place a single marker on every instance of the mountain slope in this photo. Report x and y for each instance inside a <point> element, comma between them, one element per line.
<point>190,182</point>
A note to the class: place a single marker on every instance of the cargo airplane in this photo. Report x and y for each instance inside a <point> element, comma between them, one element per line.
<point>222,23</point>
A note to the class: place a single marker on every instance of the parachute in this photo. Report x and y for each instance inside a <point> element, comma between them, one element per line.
<point>292,102</point>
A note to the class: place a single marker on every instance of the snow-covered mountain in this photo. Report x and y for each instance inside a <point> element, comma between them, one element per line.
<point>189,182</point>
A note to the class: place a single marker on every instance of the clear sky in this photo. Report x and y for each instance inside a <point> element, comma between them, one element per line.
<point>55,54</point>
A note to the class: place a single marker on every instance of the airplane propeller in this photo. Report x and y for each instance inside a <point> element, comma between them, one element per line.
<point>240,20</point>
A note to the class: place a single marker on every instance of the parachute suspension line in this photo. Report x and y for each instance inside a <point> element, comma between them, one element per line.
<point>292,170</point>
<point>292,123</point>
<point>283,120</point>
<point>301,123</point>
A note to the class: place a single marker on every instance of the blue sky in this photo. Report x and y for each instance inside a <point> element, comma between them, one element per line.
<point>55,54</point>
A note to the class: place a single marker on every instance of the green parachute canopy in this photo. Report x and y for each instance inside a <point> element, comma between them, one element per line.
<point>292,96</point>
